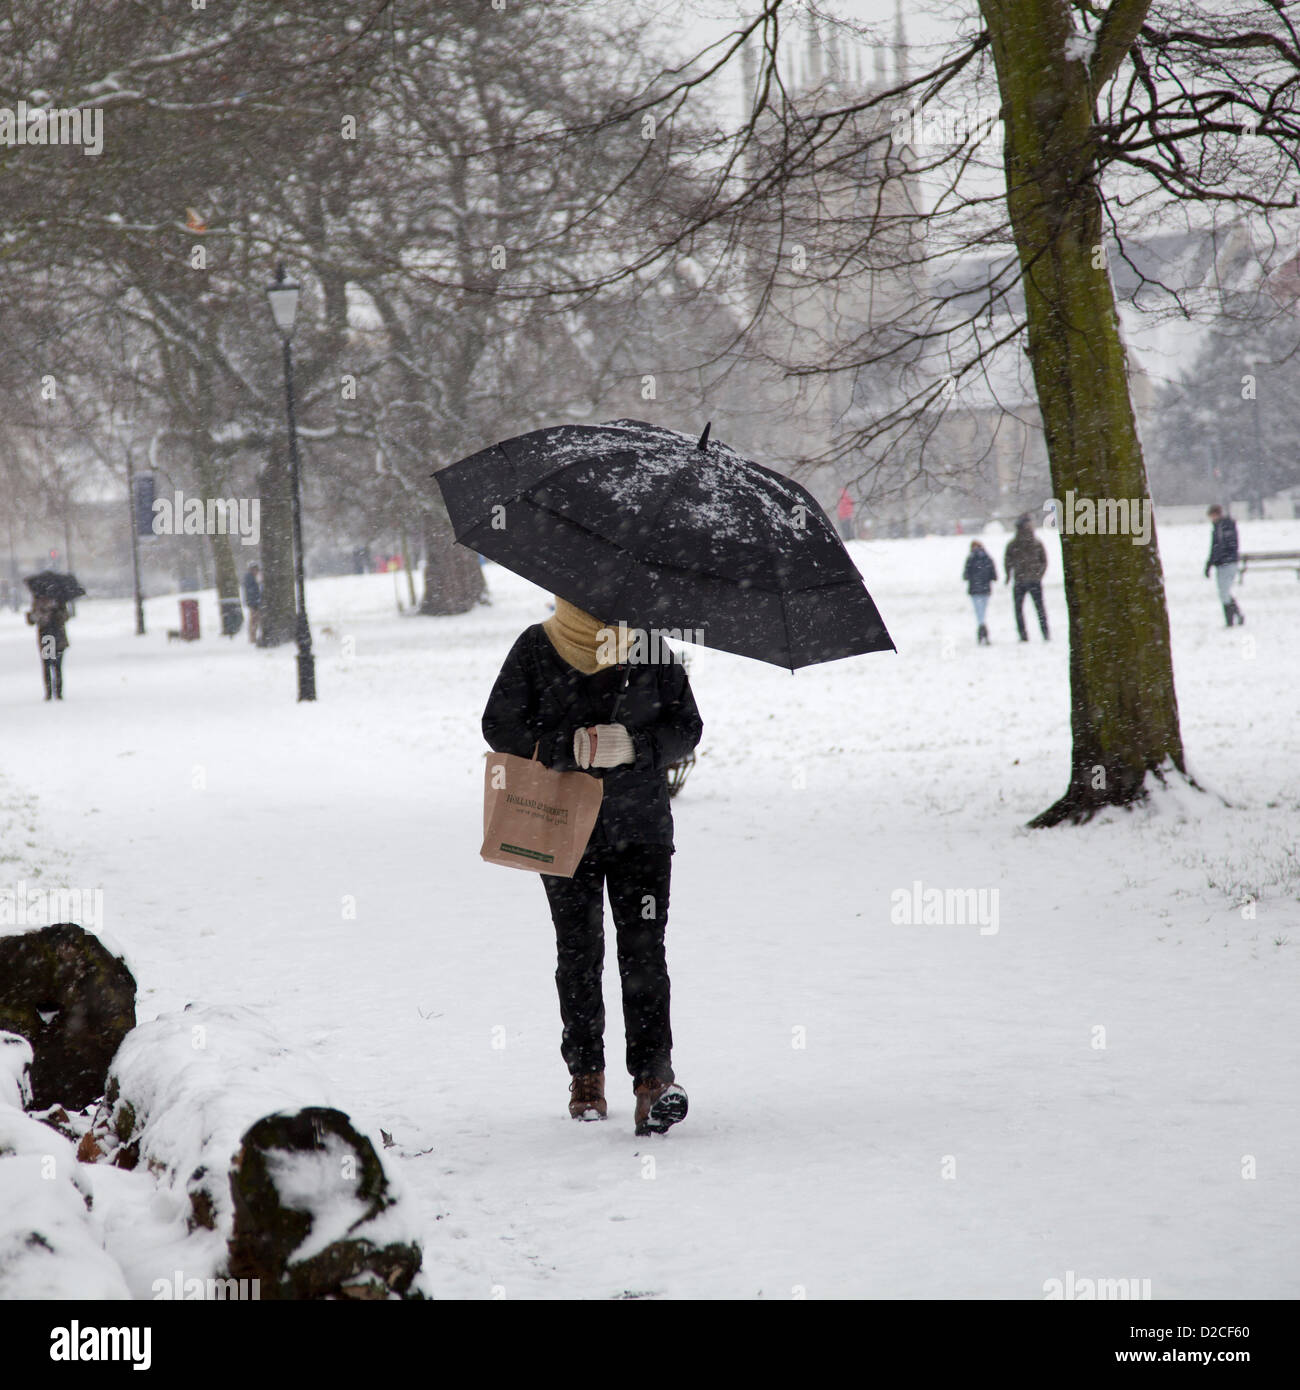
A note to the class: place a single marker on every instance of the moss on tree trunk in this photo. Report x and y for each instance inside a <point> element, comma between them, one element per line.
<point>1124,712</point>
<point>279,599</point>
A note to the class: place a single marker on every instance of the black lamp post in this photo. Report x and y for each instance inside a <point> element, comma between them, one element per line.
<point>135,544</point>
<point>282,295</point>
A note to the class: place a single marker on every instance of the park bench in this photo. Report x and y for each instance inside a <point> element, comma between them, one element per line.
<point>1269,559</point>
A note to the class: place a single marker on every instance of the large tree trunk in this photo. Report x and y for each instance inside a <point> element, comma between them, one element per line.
<point>453,577</point>
<point>1124,713</point>
<point>223,559</point>
<point>279,599</point>
<point>211,486</point>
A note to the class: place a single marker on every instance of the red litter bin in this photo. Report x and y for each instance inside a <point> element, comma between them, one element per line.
<point>189,620</point>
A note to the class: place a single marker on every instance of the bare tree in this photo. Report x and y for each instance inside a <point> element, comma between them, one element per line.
<point>1109,115</point>
<point>384,156</point>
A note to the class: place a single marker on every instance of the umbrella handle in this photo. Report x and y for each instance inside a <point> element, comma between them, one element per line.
<point>622,690</point>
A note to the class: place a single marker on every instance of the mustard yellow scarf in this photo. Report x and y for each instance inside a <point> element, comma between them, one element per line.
<point>583,641</point>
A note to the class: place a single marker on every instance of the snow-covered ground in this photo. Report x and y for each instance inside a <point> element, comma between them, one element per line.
<point>877,1108</point>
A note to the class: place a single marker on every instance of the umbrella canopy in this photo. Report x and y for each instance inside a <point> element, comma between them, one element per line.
<point>636,523</point>
<point>51,584</point>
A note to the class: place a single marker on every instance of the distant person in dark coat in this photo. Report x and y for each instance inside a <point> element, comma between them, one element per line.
<point>50,619</point>
<point>1223,560</point>
<point>1026,563</point>
<point>980,575</point>
<point>253,601</point>
<point>576,692</point>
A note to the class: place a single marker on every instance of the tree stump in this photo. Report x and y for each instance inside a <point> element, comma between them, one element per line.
<point>74,1001</point>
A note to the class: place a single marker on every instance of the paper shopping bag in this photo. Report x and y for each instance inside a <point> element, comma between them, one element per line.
<point>534,818</point>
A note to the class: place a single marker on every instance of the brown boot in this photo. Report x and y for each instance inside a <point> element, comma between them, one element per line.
<point>659,1105</point>
<point>587,1096</point>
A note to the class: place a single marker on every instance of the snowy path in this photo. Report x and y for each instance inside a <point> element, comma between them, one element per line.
<point>229,827</point>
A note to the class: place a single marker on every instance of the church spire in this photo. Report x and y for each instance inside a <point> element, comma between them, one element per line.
<point>900,45</point>
<point>749,78</point>
<point>816,68</point>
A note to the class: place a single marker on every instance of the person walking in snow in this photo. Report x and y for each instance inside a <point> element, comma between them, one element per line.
<point>980,575</point>
<point>844,515</point>
<point>49,617</point>
<point>1026,561</point>
<point>1223,560</point>
<point>253,600</point>
<point>572,692</point>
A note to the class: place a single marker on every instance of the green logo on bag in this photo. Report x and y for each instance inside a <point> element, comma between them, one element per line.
<point>528,853</point>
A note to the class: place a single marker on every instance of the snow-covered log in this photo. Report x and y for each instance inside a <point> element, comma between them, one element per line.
<point>279,1187</point>
<point>64,991</point>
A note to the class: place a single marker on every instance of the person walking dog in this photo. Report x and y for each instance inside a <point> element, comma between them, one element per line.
<point>981,575</point>
<point>1223,561</point>
<point>568,689</point>
<point>1026,561</point>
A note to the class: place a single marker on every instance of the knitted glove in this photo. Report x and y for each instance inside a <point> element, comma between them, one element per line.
<point>603,745</point>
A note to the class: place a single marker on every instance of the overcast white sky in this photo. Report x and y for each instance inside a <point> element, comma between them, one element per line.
<point>930,27</point>
<point>929,24</point>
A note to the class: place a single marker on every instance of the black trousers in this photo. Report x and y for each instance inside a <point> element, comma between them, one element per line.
<point>1035,592</point>
<point>637,878</point>
<point>52,675</point>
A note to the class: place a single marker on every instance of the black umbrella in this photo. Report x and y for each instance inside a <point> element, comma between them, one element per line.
<point>51,584</point>
<point>640,524</point>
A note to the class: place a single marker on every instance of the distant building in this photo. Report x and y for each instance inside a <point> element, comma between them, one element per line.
<point>790,393</point>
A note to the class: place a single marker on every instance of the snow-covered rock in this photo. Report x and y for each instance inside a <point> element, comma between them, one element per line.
<point>15,1071</point>
<point>314,1214</point>
<point>64,991</point>
<point>50,1245</point>
<point>191,1095</point>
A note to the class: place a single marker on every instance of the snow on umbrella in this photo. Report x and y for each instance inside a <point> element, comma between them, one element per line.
<point>636,523</point>
<point>52,584</point>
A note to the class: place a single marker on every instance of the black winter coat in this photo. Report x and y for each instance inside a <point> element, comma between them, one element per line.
<point>980,573</point>
<point>50,619</point>
<point>1026,559</point>
<point>1223,543</point>
<point>540,699</point>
